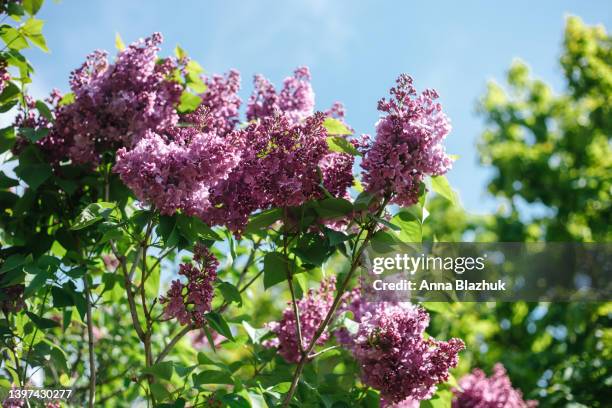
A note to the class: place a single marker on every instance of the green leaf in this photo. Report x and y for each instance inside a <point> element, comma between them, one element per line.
<point>411,229</point>
<point>335,127</point>
<point>254,334</point>
<point>159,391</point>
<point>384,242</point>
<point>441,399</point>
<point>32,29</point>
<point>67,99</point>
<point>193,67</point>
<point>189,102</point>
<point>7,182</point>
<point>333,207</point>
<point>195,82</point>
<point>168,229</point>
<point>341,145</point>
<point>163,370</point>
<point>235,401</point>
<point>38,282</point>
<point>41,322</point>
<point>13,39</point>
<point>264,219</point>
<point>218,323</point>
<point>91,214</point>
<point>15,10</point>
<point>32,6</point>
<point>11,91</point>
<point>335,237</point>
<point>203,230</point>
<point>363,201</point>
<point>179,52</point>
<point>34,135</point>
<point>34,174</point>
<point>44,110</point>
<point>440,185</point>
<point>7,138</point>
<point>119,42</point>
<point>276,267</point>
<point>311,249</point>
<point>386,223</point>
<point>212,377</point>
<point>13,262</point>
<point>230,292</point>
<point>61,297</point>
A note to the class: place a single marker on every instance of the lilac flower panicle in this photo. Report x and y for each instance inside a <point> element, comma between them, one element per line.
<point>115,104</point>
<point>408,144</point>
<point>479,391</point>
<point>392,352</point>
<point>279,167</point>
<point>295,100</point>
<point>174,175</point>
<point>222,174</point>
<point>189,302</point>
<point>5,77</point>
<point>313,308</point>
<point>221,103</point>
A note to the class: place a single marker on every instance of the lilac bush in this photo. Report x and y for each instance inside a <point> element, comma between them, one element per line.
<point>274,192</point>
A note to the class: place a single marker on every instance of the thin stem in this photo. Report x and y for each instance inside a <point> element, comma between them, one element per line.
<point>90,340</point>
<point>41,312</point>
<point>318,353</point>
<point>296,309</point>
<point>128,290</point>
<point>173,342</point>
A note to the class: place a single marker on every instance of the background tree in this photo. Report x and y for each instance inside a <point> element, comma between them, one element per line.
<point>552,161</point>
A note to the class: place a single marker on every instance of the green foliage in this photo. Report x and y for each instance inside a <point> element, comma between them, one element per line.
<point>554,150</point>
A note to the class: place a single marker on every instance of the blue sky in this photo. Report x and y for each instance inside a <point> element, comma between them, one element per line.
<point>355,50</point>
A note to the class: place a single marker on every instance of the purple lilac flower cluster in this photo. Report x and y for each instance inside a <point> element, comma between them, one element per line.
<point>392,352</point>
<point>5,77</point>
<point>478,391</point>
<point>408,144</point>
<point>223,174</point>
<point>115,104</point>
<point>312,308</point>
<point>295,100</point>
<point>174,175</point>
<point>190,302</point>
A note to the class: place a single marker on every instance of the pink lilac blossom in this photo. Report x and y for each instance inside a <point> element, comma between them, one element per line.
<point>173,175</point>
<point>222,174</point>
<point>408,144</point>
<point>393,355</point>
<point>189,302</point>
<point>278,168</point>
<point>295,100</point>
<point>312,308</point>
<point>478,391</point>
<point>115,104</point>
<point>219,110</point>
<point>5,77</point>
